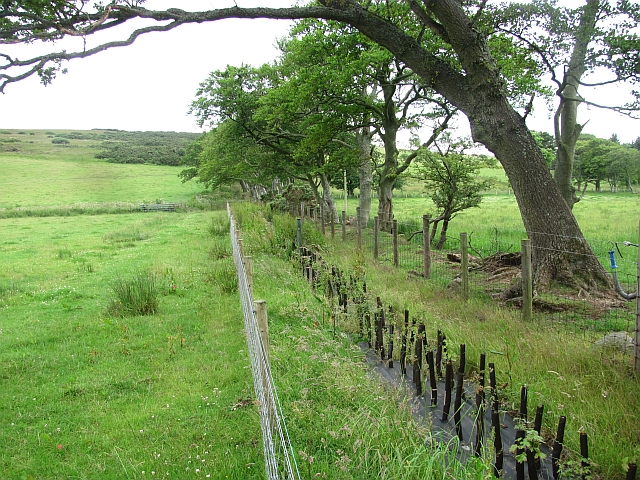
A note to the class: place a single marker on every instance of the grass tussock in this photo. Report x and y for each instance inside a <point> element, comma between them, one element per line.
<point>133,296</point>
<point>218,227</point>
<point>126,236</point>
<point>224,276</point>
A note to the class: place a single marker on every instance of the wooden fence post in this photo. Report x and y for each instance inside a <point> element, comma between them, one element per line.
<point>358,227</point>
<point>344,225</point>
<point>637,335</point>
<point>464,260</point>
<point>527,281</point>
<point>376,229</point>
<point>260,307</point>
<point>426,246</point>
<point>248,266</point>
<point>395,243</point>
<point>333,224</point>
<point>241,247</point>
<point>299,234</point>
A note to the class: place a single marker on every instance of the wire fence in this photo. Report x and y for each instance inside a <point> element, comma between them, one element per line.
<point>279,456</point>
<point>494,265</point>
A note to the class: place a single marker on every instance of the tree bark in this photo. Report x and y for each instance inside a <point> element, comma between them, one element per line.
<point>365,174</point>
<point>327,199</point>
<point>566,126</point>
<point>387,180</point>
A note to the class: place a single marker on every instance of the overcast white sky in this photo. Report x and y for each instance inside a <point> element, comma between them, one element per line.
<point>150,84</point>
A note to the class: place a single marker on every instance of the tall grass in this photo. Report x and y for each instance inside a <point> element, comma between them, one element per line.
<point>137,295</point>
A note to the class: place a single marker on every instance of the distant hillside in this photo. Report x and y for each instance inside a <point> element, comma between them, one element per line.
<point>160,148</point>
<point>117,146</point>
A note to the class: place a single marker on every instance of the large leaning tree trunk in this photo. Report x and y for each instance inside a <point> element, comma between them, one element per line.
<point>365,174</point>
<point>481,95</point>
<point>566,126</point>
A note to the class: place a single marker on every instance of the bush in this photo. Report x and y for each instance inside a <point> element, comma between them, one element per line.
<point>134,296</point>
<point>59,141</point>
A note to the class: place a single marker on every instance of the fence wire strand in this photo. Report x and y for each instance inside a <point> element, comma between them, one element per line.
<point>279,457</point>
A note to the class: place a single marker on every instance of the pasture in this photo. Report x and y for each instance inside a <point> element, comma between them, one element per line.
<point>85,393</point>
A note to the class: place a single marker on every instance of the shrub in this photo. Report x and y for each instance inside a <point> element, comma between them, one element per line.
<point>59,141</point>
<point>134,296</point>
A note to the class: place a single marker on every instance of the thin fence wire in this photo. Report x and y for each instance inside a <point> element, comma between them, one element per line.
<point>279,456</point>
<point>585,313</point>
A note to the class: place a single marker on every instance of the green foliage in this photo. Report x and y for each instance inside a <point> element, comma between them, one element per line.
<point>60,141</point>
<point>159,148</point>
<point>291,199</point>
<point>219,227</point>
<point>547,145</point>
<point>134,296</point>
<point>452,182</point>
<point>598,159</point>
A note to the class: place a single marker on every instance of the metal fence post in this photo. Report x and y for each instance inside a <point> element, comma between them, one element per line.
<point>464,261</point>
<point>358,227</point>
<point>527,281</point>
<point>376,229</point>
<point>426,246</point>
<point>396,259</point>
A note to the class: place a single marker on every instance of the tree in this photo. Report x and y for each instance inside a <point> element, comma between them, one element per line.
<point>345,71</point>
<point>547,145</point>
<point>451,181</point>
<point>571,43</point>
<point>623,165</point>
<point>465,72</point>
<point>591,161</point>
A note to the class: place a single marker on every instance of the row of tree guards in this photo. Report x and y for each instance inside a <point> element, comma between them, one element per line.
<point>320,218</point>
<point>431,367</point>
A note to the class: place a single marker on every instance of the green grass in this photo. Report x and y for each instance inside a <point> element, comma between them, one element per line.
<point>137,295</point>
<point>69,175</point>
<point>87,394</point>
<point>119,395</point>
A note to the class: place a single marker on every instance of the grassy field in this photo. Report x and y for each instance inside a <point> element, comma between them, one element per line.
<point>86,393</point>
<point>68,175</point>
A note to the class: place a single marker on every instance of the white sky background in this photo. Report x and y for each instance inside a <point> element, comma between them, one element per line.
<point>150,84</point>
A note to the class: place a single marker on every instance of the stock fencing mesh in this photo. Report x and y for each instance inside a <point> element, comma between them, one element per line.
<point>279,457</point>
